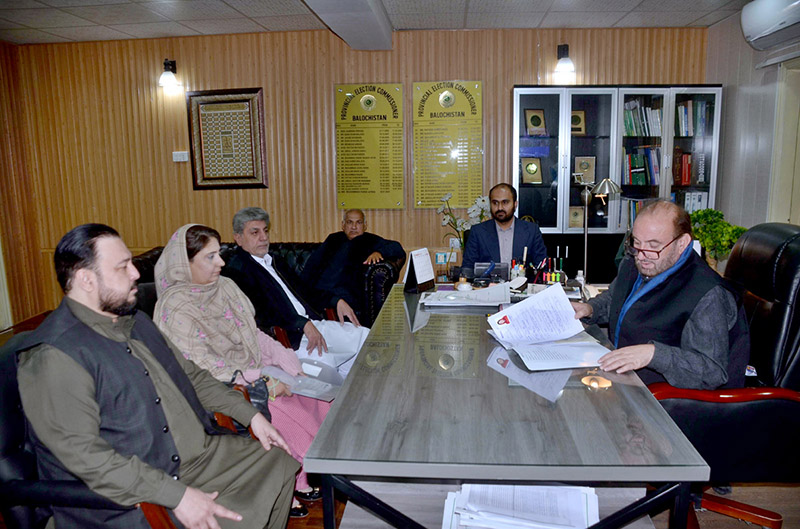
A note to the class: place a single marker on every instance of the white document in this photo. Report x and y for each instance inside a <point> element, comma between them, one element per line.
<point>321,382</point>
<point>526,506</point>
<point>547,384</point>
<point>543,317</point>
<point>492,296</point>
<point>546,356</point>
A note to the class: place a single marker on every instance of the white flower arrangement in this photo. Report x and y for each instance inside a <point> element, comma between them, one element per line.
<point>476,213</point>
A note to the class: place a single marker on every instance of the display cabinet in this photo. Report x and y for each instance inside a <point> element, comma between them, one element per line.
<point>562,137</point>
<point>653,141</point>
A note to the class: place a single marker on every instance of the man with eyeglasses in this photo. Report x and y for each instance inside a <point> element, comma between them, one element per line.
<point>670,317</point>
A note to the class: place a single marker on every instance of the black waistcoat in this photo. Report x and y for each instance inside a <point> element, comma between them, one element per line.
<point>661,314</point>
<point>132,420</point>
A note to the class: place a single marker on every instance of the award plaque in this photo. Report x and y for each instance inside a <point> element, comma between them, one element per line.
<point>534,120</point>
<point>585,166</point>
<point>578,123</point>
<point>531,170</point>
<point>576,216</point>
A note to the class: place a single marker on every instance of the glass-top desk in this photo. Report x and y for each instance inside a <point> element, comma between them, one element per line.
<point>425,405</point>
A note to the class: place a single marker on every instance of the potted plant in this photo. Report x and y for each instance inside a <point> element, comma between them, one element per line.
<point>716,235</point>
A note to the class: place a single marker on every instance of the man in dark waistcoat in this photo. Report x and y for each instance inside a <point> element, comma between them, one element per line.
<point>670,317</point>
<point>337,265</point>
<point>111,402</point>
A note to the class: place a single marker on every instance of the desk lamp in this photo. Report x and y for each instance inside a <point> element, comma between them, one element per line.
<point>605,188</point>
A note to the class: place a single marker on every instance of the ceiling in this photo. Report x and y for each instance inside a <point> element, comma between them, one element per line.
<point>363,24</point>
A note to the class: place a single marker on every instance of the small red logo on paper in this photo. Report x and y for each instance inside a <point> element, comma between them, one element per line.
<point>503,362</point>
<point>503,320</point>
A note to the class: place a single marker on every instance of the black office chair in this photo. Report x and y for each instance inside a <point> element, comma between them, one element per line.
<point>753,434</point>
<point>24,498</point>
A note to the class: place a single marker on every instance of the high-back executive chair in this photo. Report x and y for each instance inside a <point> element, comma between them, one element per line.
<point>24,498</point>
<point>753,434</point>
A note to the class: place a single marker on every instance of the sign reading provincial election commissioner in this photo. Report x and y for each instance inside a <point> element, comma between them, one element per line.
<point>448,143</point>
<point>369,146</point>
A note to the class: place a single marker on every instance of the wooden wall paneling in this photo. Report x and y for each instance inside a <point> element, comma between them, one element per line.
<point>18,227</point>
<point>97,134</point>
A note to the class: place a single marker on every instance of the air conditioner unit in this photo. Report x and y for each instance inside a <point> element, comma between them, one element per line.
<point>769,23</point>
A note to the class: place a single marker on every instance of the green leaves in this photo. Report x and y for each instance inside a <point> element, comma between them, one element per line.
<point>716,235</point>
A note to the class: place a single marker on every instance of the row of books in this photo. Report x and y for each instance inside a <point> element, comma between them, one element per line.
<point>634,206</point>
<point>641,167</point>
<point>691,200</point>
<point>640,120</point>
<point>689,169</point>
<point>693,118</point>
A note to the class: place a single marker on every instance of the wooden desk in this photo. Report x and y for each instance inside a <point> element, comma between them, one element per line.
<point>426,406</point>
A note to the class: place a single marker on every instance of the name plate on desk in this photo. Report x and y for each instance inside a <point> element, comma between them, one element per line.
<point>419,272</point>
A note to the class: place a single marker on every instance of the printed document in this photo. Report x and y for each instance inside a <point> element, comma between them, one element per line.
<point>514,506</point>
<point>543,317</point>
<point>544,356</point>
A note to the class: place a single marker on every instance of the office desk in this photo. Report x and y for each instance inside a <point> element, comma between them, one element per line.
<point>425,405</point>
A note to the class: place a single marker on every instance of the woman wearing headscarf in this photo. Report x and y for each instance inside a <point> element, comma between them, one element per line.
<point>212,322</point>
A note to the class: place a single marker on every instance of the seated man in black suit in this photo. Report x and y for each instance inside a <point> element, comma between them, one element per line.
<point>503,237</point>
<point>338,264</point>
<point>282,299</point>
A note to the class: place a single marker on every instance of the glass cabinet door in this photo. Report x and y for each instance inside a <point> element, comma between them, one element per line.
<point>643,169</point>
<point>591,133</point>
<point>536,135</point>
<point>695,139</point>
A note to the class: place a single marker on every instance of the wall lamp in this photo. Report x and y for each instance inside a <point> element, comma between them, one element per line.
<point>565,68</point>
<point>168,79</point>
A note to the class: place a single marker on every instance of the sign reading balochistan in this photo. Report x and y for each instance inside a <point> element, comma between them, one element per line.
<point>448,143</point>
<point>369,146</point>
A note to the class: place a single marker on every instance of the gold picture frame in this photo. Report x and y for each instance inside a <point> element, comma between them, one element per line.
<point>585,165</point>
<point>227,139</point>
<point>578,123</point>
<point>534,122</point>
<point>576,216</point>
<point>531,170</point>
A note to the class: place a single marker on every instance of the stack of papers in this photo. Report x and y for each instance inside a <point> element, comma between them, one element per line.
<point>514,506</point>
<point>545,334</point>
<point>491,296</point>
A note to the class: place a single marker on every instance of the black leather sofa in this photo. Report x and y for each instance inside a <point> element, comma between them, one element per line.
<point>377,278</point>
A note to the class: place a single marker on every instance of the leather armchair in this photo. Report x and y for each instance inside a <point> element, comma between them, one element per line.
<point>377,278</point>
<point>752,434</point>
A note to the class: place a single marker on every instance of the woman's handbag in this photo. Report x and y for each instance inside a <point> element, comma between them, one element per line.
<point>258,392</point>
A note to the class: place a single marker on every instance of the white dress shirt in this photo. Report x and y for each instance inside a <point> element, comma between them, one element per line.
<point>266,262</point>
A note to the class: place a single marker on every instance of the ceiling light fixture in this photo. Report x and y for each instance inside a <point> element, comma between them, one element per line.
<point>565,68</point>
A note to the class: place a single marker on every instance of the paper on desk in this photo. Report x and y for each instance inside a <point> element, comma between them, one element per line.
<point>547,384</point>
<point>546,356</point>
<point>581,337</point>
<point>509,506</point>
<point>544,317</point>
<point>491,296</point>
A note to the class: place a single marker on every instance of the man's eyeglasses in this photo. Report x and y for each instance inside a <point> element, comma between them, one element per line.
<point>632,250</point>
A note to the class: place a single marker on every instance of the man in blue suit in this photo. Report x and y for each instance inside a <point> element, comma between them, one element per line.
<point>503,237</point>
